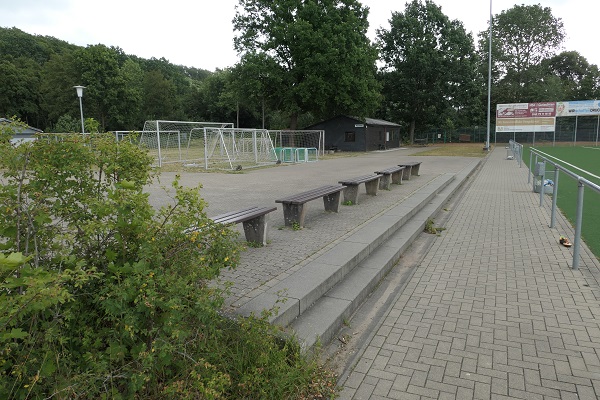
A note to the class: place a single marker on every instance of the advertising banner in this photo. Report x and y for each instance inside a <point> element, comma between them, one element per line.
<point>526,117</point>
<point>577,108</point>
<point>526,110</point>
<point>515,110</point>
<point>537,124</point>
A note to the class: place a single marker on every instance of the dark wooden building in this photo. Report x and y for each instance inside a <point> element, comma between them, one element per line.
<point>353,134</point>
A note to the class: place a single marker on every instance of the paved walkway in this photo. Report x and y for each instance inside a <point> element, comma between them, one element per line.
<point>289,250</point>
<point>493,311</point>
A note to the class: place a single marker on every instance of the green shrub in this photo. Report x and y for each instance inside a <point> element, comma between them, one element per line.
<point>102,296</point>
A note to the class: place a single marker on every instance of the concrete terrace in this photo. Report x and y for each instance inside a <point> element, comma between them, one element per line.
<point>489,308</point>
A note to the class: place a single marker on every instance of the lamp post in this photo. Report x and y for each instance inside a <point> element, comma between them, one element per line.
<point>80,95</point>
<point>489,99</point>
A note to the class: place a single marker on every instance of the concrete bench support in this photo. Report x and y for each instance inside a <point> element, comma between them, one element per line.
<point>253,219</point>
<point>351,191</point>
<point>294,209</point>
<point>411,169</point>
<point>389,176</point>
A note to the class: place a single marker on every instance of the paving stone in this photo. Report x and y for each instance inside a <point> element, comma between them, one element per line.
<point>493,310</point>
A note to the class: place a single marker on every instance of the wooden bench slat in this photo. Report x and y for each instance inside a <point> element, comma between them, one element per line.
<point>311,194</point>
<point>253,219</point>
<point>242,215</point>
<point>293,206</point>
<point>220,217</point>
<point>390,170</point>
<point>360,179</point>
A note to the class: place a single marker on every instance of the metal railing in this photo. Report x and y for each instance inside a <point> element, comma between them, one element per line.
<point>517,151</point>
<point>582,183</point>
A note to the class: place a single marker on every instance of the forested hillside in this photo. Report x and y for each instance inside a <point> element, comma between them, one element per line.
<point>308,63</point>
<point>37,75</point>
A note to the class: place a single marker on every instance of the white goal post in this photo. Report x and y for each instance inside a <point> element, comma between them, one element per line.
<point>299,139</point>
<point>166,138</point>
<point>218,145</point>
<point>237,148</point>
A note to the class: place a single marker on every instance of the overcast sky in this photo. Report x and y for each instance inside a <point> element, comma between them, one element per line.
<point>199,33</point>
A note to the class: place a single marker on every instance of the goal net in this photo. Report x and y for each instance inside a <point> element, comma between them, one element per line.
<point>219,145</point>
<point>234,148</point>
<point>298,146</point>
<point>168,141</point>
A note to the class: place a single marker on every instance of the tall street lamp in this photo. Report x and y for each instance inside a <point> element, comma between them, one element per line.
<point>80,95</point>
<point>489,99</point>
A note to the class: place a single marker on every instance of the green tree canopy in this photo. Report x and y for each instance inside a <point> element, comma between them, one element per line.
<point>19,88</point>
<point>522,37</point>
<point>323,60</point>
<point>430,65</point>
<point>578,78</point>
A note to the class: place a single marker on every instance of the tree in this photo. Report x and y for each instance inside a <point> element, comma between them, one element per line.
<point>254,89</point>
<point>66,124</point>
<point>59,75</point>
<point>19,89</point>
<point>99,68</point>
<point>159,96</point>
<point>578,78</point>
<point>14,42</point>
<point>430,65</point>
<point>522,37</point>
<point>129,96</point>
<point>104,296</point>
<point>322,60</point>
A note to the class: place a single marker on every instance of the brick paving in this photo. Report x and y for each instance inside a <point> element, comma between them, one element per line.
<point>288,250</point>
<point>493,311</point>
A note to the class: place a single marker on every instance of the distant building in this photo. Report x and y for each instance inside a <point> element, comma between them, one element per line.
<point>21,134</point>
<point>353,134</point>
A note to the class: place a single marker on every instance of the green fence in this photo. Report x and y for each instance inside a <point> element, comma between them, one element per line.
<point>570,130</point>
<point>475,134</point>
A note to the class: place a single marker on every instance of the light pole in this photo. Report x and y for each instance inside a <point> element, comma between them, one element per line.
<point>80,95</point>
<point>489,99</point>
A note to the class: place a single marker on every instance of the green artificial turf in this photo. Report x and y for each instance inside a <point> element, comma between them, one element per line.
<point>585,162</point>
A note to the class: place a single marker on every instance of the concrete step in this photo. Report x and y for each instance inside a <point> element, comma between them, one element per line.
<point>324,318</point>
<point>299,291</point>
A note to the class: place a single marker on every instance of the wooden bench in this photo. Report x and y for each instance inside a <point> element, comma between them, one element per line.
<point>351,191</point>
<point>390,175</point>
<point>421,142</point>
<point>411,168</point>
<point>253,219</point>
<point>293,206</point>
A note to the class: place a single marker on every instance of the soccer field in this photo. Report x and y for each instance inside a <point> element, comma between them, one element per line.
<point>585,162</point>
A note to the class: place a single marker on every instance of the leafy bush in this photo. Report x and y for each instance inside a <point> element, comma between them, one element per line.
<point>102,296</point>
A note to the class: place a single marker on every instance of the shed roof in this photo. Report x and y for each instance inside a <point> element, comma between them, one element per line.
<point>379,122</point>
<point>367,121</point>
<point>29,130</point>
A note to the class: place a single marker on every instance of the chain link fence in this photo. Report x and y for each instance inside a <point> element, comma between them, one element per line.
<point>580,130</point>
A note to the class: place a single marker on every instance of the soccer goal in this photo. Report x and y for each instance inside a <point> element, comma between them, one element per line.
<point>169,141</point>
<point>235,148</point>
<point>298,146</point>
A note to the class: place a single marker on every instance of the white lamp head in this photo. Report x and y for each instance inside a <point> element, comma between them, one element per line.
<point>79,90</point>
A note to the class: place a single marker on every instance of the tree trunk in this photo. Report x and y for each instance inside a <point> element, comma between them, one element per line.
<point>411,132</point>
<point>293,126</point>
<point>294,121</point>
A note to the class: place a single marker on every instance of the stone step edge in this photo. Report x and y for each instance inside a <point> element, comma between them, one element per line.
<point>297,292</point>
<point>326,316</point>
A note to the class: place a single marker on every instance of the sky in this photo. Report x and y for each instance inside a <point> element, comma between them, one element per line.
<point>199,33</point>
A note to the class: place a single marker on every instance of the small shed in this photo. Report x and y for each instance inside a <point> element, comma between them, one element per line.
<point>21,134</point>
<point>347,133</point>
